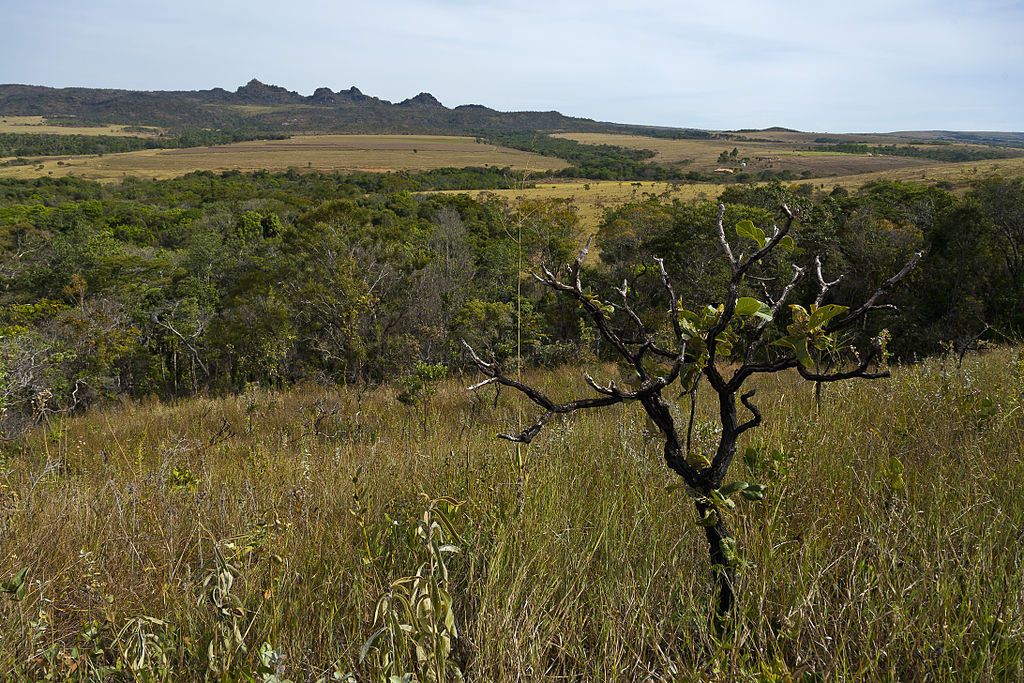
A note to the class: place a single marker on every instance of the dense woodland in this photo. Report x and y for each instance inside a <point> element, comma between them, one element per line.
<point>217,282</point>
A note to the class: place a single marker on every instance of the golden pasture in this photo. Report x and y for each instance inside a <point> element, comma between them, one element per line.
<point>305,152</point>
<point>782,154</point>
<point>37,125</point>
<point>961,172</point>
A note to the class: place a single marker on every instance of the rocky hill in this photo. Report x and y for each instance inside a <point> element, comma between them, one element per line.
<point>259,106</point>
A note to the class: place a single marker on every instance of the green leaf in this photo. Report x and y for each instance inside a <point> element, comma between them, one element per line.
<point>747,229</point>
<point>750,457</point>
<point>822,314</point>
<point>689,377</point>
<point>752,495</point>
<point>749,306</point>
<point>16,585</point>
<point>689,331</point>
<point>688,315</point>
<point>787,243</point>
<point>733,487</point>
<point>800,346</point>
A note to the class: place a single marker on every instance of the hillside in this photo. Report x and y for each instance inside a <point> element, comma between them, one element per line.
<point>270,107</point>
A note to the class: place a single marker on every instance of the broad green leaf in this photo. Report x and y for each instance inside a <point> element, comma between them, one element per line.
<point>787,243</point>
<point>752,495</point>
<point>822,314</point>
<point>747,305</point>
<point>750,457</point>
<point>747,229</point>
<point>800,346</point>
<point>689,316</point>
<point>799,312</point>
<point>733,487</point>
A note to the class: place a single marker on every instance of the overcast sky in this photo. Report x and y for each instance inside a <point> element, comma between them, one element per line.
<point>836,66</point>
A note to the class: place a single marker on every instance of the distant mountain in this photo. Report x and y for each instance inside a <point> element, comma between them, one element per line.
<point>258,106</point>
<point>995,138</point>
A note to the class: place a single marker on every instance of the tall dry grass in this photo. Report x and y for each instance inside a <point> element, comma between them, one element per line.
<point>861,571</point>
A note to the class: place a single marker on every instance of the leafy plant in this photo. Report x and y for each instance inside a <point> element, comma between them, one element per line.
<point>415,618</point>
<point>227,640</point>
<point>16,586</point>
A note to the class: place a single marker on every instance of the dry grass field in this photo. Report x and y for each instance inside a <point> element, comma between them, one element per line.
<point>37,125</point>
<point>579,559</point>
<point>312,152</point>
<point>957,173</point>
<point>783,155</point>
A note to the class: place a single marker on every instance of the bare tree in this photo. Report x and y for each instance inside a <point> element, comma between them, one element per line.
<point>740,327</point>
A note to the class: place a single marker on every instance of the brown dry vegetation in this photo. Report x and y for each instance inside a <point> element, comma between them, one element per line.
<point>312,152</point>
<point>702,155</point>
<point>37,125</point>
<point>958,173</point>
<point>583,562</point>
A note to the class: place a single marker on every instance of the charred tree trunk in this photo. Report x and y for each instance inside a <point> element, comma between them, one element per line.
<point>721,565</point>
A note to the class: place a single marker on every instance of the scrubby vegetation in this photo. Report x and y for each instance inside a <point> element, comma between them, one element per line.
<point>237,441</point>
<point>212,282</point>
<point>887,545</point>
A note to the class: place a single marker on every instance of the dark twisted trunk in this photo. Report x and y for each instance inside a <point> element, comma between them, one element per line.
<point>725,574</point>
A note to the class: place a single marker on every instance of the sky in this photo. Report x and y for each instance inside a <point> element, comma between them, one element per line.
<point>839,66</point>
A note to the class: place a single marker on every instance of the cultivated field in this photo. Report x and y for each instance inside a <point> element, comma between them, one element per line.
<point>306,152</point>
<point>37,125</point>
<point>887,546</point>
<point>955,173</point>
<point>702,155</point>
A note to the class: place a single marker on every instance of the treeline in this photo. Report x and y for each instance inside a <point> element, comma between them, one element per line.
<point>674,133</point>
<point>944,152</point>
<point>212,282</point>
<point>51,144</point>
<point>597,162</point>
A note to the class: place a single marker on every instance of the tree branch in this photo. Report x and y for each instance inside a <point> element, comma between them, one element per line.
<point>822,282</point>
<point>756,419</point>
<point>869,305</point>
